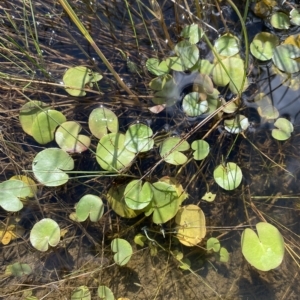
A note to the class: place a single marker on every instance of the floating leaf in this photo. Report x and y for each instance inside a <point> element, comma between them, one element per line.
<point>138,195</point>
<point>263,45</point>
<point>44,125</point>
<point>213,244</point>
<point>77,78</point>
<point>191,225</point>
<point>158,83</point>
<point>236,125</point>
<point>295,16</point>
<point>192,32</point>
<point>44,233</point>
<point>68,138</point>
<point>81,293</point>
<point>10,193</point>
<point>209,197</point>
<point>89,206</point>
<point>102,120</point>
<point>112,154</point>
<point>138,138</point>
<point>49,166</point>
<point>169,95</point>
<point>201,149</point>
<point>157,68</point>
<point>286,58</point>
<point>285,128</point>
<point>293,40</point>
<point>28,112</point>
<point>228,176</point>
<point>18,270</point>
<point>185,264</point>
<point>202,66</point>
<point>123,251</point>
<point>116,200</point>
<point>227,45</point>
<point>192,105</point>
<point>105,293</point>
<point>264,251</point>
<point>28,181</point>
<point>280,20</point>
<point>171,145</point>
<point>140,239</point>
<point>224,255</point>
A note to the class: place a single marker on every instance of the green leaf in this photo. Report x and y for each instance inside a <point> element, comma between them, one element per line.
<point>89,206</point>
<point>213,244</point>
<point>155,67</point>
<point>102,120</point>
<point>201,149</point>
<point>285,128</point>
<point>49,165</point>
<point>10,192</point>
<point>68,138</point>
<point>227,45</point>
<point>236,125</point>
<point>295,16</point>
<point>185,264</point>
<point>140,239</point>
<point>138,138</point>
<point>286,58</point>
<point>191,225</point>
<point>123,251</point>
<point>280,20</point>
<point>18,270</point>
<point>264,251</point>
<point>44,233</point>
<point>77,78</point>
<point>81,293</point>
<point>28,112</point>
<point>112,154</point>
<point>105,293</point>
<point>44,125</point>
<point>224,255</point>
<point>116,200</point>
<point>192,105</point>
<point>170,145</point>
<point>209,197</point>
<point>228,176</point>
<point>192,32</point>
<point>138,195</point>
<point>263,45</point>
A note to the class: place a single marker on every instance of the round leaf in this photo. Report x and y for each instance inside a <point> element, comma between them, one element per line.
<point>157,68</point>
<point>192,32</point>
<point>192,105</point>
<point>228,177</point>
<point>28,181</point>
<point>29,112</point>
<point>224,255</point>
<point>138,196</point>
<point>263,45</point>
<point>68,138</point>
<point>191,225</point>
<point>89,205</point>
<point>236,125</point>
<point>213,244</point>
<point>105,293</point>
<point>102,120</point>
<point>285,128</point>
<point>81,293</point>
<point>49,165</point>
<point>123,251</point>
<point>227,45</point>
<point>44,233</point>
<point>201,148</point>
<point>18,270</point>
<point>280,20</point>
<point>111,153</point>
<point>264,250</point>
<point>286,57</point>
<point>170,150</point>
<point>138,138</point>
<point>295,16</point>
<point>44,125</point>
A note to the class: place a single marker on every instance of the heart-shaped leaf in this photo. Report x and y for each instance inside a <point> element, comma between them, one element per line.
<point>227,45</point>
<point>228,176</point>
<point>44,233</point>
<point>101,121</point>
<point>138,138</point>
<point>264,250</point>
<point>213,244</point>
<point>89,206</point>
<point>295,16</point>
<point>192,32</point>
<point>285,128</point>
<point>201,149</point>
<point>192,105</point>
<point>112,154</point>
<point>105,293</point>
<point>10,192</point>
<point>236,125</point>
<point>81,293</point>
<point>286,58</point>
<point>18,270</point>
<point>68,138</point>
<point>155,67</point>
<point>123,251</point>
<point>44,125</point>
<point>49,165</point>
<point>280,20</point>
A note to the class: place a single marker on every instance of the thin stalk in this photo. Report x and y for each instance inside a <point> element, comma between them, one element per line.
<point>88,37</point>
<point>132,24</point>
